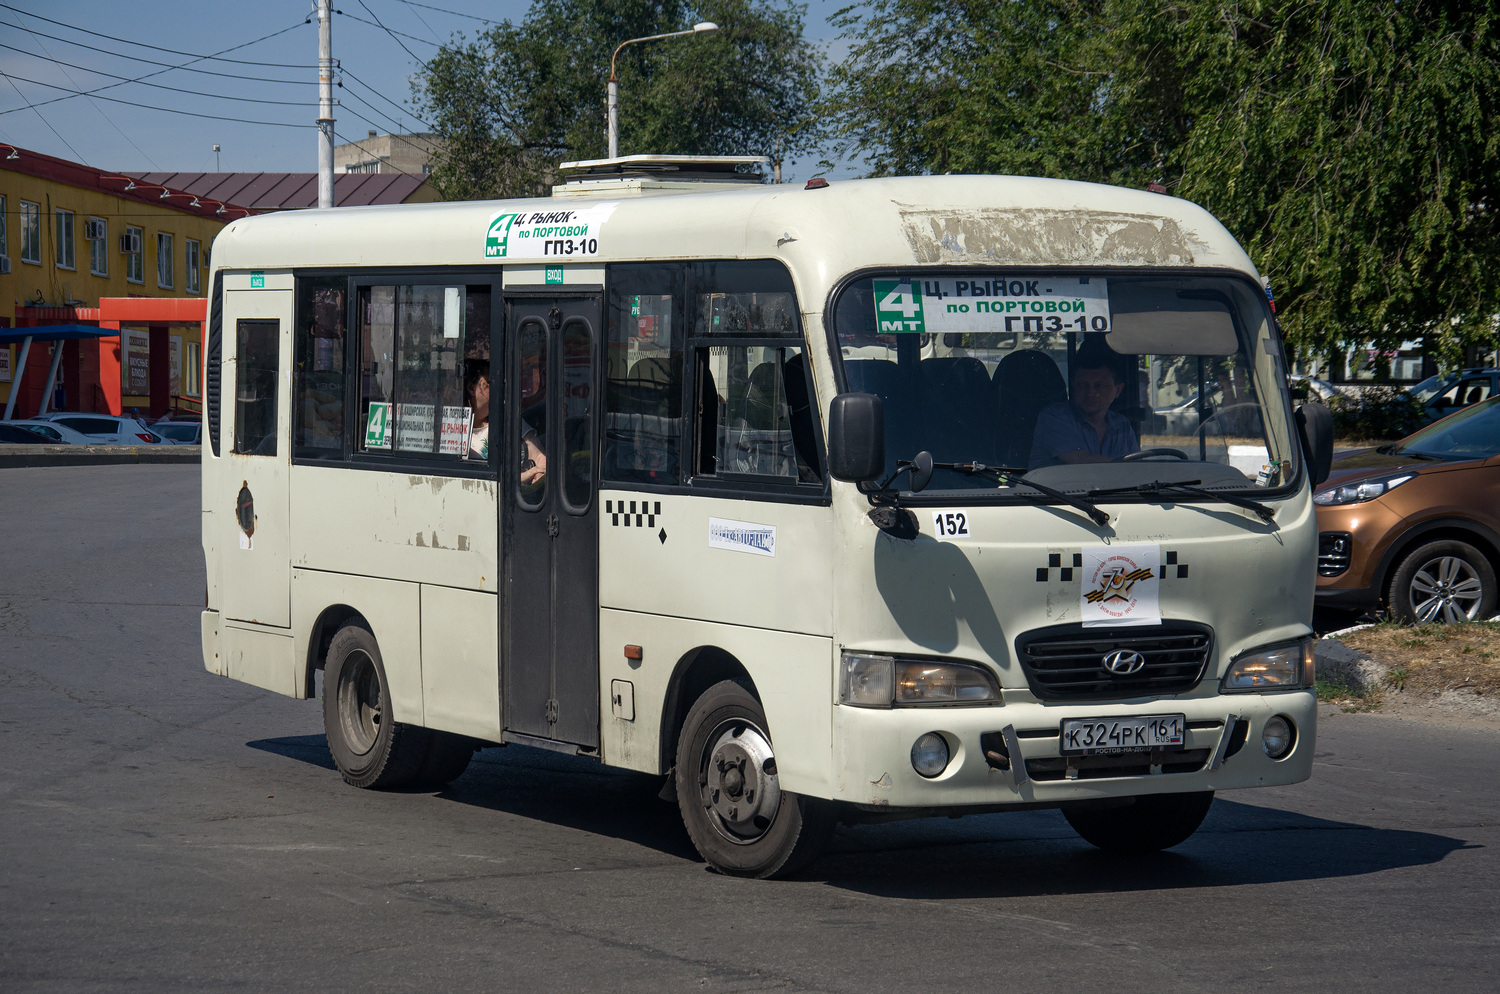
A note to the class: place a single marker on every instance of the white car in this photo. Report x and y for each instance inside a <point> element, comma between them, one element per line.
<point>56,432</point>
<point>180,432</point>
<point>104,429</point>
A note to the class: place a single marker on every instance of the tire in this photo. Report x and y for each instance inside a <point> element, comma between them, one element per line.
<point>1154,822</point>
<point>1443,582</point>
<point>448,755</point>
<point>369,749</point>
<point>739,818</point>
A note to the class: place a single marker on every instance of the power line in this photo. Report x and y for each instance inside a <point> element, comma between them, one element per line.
<point>444,10</point>
<point>164,110</point>
<point>48,123</point>
<point>170,51</point>
<point>394,34</point>
<point>367,86</point>
<point>159,86</point>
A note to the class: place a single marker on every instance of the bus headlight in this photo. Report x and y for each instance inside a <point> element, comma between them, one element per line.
<point>871,681</point>
<point>1283,667</point>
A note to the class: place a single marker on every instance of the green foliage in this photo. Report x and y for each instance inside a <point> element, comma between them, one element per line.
<point>1352,147</point>
<point>519,98</point>
<point>1384,413</point>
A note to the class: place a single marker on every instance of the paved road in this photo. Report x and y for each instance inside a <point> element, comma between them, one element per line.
<point>166,830</point>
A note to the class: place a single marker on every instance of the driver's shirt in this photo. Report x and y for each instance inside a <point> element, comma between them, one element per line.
<point>1062,427</point>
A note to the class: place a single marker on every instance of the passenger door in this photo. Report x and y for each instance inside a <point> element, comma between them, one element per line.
<point>550,601</point>
<point>255,585</point>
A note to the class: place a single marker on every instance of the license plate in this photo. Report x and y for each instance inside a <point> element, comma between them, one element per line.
<point>1085,736</point>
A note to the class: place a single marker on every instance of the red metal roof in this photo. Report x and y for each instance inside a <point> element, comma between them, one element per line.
<point>147,191</point>
<point>290,191</point>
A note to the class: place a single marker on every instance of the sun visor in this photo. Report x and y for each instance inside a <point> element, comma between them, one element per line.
<point>1154,320</point>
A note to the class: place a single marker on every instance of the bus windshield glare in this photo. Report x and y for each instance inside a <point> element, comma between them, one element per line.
<point>1079,383</point>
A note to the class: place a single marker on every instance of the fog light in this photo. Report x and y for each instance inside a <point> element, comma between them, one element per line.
<point>929,754</point>
<point>1276,738</point>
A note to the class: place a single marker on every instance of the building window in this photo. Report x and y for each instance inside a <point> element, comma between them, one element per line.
<point>130,246</point>
<point>4,230</point>
<point>63,230</point>
<point>164,260</point>
<point>192,386</point>
<point>96,230</point>
<point>31,232</point>
<point>191,266</point>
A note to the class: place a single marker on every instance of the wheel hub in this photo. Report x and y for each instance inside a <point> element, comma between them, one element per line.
<point>740,785</point>
<point>1447,589</point>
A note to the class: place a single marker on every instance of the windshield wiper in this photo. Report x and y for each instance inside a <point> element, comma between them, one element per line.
<point>1389,449</point>
<point>1158,487</point>
<point>1007,477</point>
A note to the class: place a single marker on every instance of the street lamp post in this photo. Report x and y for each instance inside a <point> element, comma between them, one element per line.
<point>614,83</point>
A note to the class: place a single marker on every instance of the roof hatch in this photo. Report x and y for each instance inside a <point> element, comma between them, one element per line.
<point>643,175</point>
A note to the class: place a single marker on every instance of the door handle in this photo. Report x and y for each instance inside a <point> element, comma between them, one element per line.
<point>552,525</point>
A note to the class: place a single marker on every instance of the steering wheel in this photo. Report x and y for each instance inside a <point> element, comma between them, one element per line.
<point>1156,453</point>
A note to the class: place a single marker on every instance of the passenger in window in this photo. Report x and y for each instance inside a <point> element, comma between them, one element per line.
<point>477,389</point>
<point>1084,429</point>
<point>533,425</point>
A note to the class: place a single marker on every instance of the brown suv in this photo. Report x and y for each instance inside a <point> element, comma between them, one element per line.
<point>1415,525</point>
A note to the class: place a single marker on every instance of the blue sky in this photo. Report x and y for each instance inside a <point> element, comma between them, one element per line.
<point>115,134</point>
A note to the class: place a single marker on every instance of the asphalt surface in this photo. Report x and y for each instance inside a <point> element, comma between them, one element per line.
<point>162,829</point>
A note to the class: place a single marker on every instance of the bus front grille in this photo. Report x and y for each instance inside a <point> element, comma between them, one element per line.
<point>1068,662</point>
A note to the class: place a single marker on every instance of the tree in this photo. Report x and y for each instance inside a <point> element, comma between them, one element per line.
<point>1352,147</point>
<point>520,98</point>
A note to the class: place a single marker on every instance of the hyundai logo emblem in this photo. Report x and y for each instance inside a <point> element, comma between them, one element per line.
<point>1124,662</point>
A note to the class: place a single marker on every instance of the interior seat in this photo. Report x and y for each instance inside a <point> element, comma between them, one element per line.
<point>1025,382</point>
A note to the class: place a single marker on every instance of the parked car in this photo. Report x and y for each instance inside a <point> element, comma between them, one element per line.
<point>18,434</point>
<point>55,432</point>
<point>1315,389</point>
<point>1445,393</point>
<point>104,429</point>
<point>179,432</point>
<point>1415,525</point>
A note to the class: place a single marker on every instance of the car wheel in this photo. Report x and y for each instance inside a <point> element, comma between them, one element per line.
<point>1154,822</point>
<point>736,813</point>
<point>369,748</point>
<point>1443,582</point>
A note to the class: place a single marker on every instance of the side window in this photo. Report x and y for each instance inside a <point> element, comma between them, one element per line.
<point>424,378</point>
<point>256,353</point>
<point>644,374</point>
<point>754,409</point>
<point>318,403</point>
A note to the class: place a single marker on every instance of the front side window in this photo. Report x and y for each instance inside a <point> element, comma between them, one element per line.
<point>63,238</point>
<point>97,233</point>
<point>424,356</point>
<point>191,266</point>
<point>320,361</point>
<point>1081,383</point>
<point>706,377</point>
<point>130,247</point>
<point>31,232</point>
<point>164,260</point>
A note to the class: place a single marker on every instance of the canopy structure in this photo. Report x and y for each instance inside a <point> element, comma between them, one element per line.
<point>45,333</point>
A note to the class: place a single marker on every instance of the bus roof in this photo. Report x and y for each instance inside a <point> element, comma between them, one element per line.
<point>822,233</point>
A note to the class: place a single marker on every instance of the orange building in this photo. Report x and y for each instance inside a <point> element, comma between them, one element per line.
<point>70,235</point>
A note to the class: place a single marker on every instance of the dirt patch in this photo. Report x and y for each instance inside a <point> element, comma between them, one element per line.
<point>1429,660</point>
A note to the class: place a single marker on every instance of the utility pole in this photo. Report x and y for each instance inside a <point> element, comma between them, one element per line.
<point>325,103</point>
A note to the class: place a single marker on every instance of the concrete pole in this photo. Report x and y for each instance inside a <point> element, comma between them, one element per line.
<point>57,352</point>
<point>325,103</point>
<point>17,378</point>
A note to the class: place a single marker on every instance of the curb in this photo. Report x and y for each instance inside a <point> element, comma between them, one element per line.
<point>13,456</point>
<point>1350,666</point>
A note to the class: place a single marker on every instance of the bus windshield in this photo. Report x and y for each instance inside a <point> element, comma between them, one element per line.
<point>1079,383</point>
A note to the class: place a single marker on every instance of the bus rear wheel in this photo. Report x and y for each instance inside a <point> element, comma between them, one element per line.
<point>1154,822</point>
<point>739,818</point>
<point>369,748</point>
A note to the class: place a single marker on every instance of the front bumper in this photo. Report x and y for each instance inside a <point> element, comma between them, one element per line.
<point>872,752</point>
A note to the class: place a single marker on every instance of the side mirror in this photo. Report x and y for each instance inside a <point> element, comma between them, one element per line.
<point>856,437</point>
<point>1315,426</point>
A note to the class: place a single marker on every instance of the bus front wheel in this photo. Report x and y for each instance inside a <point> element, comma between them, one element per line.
<point>368,746</point>
<point>736,813</point>
<point>1154,822</point>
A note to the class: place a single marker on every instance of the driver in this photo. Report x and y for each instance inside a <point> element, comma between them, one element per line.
<point>1084,429</point>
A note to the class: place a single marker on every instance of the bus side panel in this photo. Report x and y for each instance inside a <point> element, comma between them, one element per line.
<point>391,610</point>
<point>793,674</point>
<point>460,665</point>
<point>425,529</point>
<point>260,658</point>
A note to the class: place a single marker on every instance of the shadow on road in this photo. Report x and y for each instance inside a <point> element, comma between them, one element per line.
<point>994,855</point>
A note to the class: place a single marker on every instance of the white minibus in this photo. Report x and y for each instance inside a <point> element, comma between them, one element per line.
<point>853,500</point>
